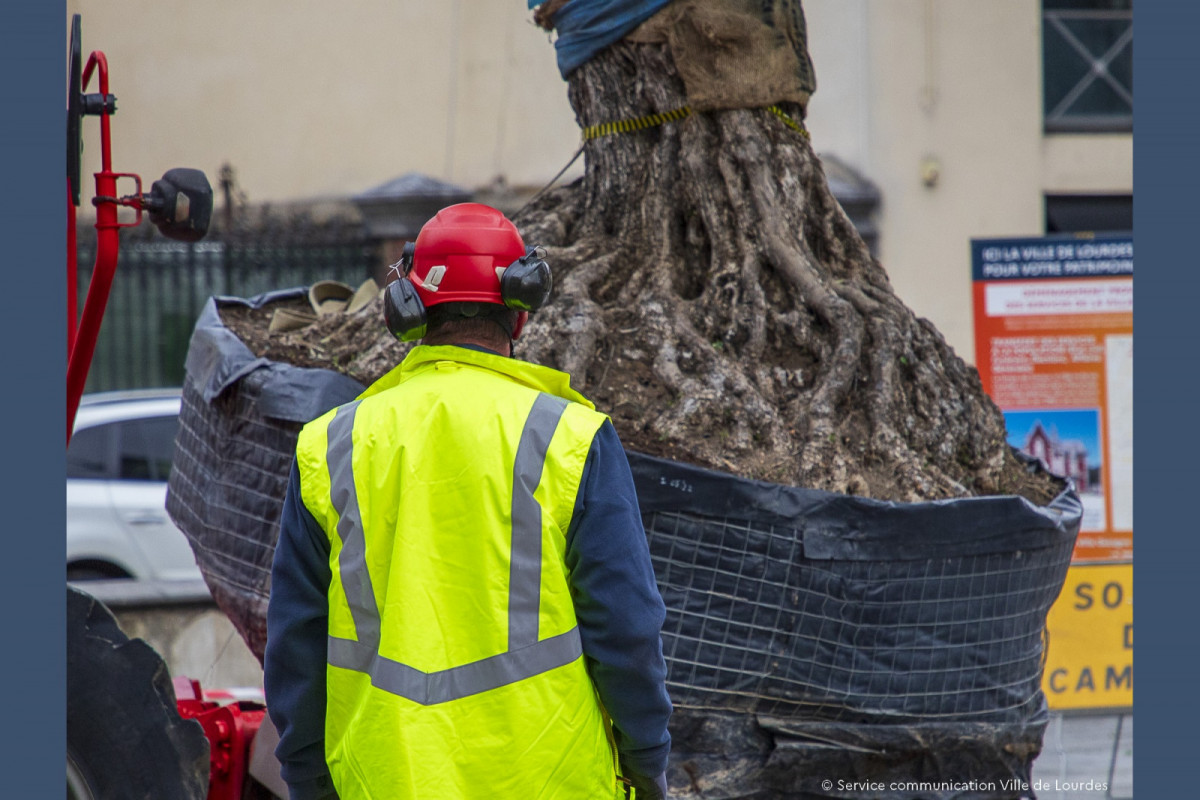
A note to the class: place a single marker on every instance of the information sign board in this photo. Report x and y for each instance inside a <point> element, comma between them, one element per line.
<point>1054,348</point>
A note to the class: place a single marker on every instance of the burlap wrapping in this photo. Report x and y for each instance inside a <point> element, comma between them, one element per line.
<point>735,53</point>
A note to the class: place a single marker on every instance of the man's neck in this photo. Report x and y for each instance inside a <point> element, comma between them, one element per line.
<point>485,348</point>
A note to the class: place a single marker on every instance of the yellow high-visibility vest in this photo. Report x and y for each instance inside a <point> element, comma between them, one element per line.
<point>455,668</point>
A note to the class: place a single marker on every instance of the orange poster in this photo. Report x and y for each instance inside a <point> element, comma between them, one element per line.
<point>1054,347</point>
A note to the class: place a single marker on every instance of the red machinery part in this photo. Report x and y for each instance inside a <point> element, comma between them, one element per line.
<point>230,728</point>
<point>82,338</point>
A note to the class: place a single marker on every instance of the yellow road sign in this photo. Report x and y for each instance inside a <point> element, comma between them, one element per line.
<point>1089,661</point>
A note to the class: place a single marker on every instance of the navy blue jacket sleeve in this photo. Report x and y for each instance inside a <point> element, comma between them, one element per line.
<point>294,661</point>
<point>619,607</point>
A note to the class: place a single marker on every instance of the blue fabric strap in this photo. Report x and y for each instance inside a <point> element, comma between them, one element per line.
<point>585,27</point>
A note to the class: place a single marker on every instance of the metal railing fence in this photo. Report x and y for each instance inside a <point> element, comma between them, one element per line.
<point>161,286</point>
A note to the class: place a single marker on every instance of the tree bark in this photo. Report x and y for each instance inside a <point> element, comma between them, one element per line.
<point>713,297</point>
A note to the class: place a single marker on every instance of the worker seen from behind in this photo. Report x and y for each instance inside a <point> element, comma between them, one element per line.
<point>462,601</point>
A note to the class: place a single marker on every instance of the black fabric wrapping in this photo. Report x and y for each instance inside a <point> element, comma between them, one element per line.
<point>810,636</point>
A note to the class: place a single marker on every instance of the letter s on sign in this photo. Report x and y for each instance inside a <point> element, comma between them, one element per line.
<point>1084,592</point>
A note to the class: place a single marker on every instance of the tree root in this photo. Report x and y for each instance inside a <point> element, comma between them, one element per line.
<point>719,303</point>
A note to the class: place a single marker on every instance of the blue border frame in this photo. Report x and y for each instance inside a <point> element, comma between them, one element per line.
<point>33,39</point>
<point>1166,177</point>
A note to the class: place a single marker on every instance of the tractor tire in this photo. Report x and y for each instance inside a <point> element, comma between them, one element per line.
<point>125,738</point>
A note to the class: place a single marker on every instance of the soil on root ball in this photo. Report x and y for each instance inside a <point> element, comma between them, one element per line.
<point>621,382</point>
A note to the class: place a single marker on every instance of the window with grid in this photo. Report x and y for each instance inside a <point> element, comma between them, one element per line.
<point>1087,65</point>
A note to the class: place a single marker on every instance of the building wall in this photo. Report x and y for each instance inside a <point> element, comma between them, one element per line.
<point>309,100</point>
<point>313,99</point>
<point>955,87</point>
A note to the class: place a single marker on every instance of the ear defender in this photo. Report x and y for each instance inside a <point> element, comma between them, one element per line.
<point>403,310</point>
<point>526,283</point>
<point>525,286</point>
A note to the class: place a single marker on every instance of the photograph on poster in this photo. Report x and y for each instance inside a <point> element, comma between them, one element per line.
<point>1067,442</point>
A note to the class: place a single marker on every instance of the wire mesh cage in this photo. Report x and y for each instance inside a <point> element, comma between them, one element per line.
<point>811,634</point>
<point>839,608</point>
<point>807,633</point>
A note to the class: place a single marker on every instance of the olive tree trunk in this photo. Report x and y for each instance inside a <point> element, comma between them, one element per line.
<point>713,297</point>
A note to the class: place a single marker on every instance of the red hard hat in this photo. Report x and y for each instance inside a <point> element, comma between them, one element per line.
<point>458,252</point>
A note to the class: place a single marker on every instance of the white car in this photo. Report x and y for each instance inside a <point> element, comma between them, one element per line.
<point>117,467</point>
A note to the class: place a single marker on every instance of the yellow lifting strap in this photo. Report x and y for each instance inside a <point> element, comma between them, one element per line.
<point>654,120</point>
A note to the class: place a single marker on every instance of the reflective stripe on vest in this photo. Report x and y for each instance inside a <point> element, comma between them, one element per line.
<point>526,655</point>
